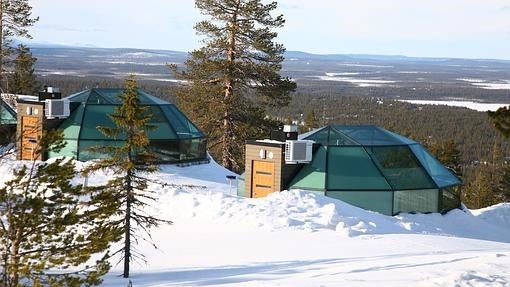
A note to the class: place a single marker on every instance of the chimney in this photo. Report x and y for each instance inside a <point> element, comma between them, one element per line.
<point>50,93</point>
<point>285,133</point>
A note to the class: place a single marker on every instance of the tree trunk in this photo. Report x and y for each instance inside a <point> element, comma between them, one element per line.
<point>15,259</point>
<point>127,233</point>
<point>1,41</point>
<point>227,158</point>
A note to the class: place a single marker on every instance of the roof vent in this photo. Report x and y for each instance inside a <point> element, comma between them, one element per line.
<point>56,109</point>
<point>298,151</point>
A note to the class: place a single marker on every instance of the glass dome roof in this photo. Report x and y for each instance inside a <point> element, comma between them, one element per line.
<point>372,159</point>
<point>174,137</point>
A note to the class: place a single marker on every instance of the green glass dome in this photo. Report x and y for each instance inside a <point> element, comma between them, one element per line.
<point>175,138</point>
<point>378,170</point>
<point>7,114</point>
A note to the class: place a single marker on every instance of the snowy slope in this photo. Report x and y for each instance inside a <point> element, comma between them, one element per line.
<point>298,238</point>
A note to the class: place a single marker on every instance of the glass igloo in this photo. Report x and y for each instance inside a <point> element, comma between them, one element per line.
<point>175,139</point>
<point>378,170</point>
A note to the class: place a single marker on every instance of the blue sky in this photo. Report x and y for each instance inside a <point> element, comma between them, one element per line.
<point>427,28</point>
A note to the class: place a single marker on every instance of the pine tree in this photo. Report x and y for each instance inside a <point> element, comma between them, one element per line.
<point>125,196</point>
<point>23,80</point>
<point>479,193</point>
<point>234,77</point>
<point>504,184</point>
<point>501,120</point>
<point>311,121</point>
<point>45,226</point>
<point>15,18</point>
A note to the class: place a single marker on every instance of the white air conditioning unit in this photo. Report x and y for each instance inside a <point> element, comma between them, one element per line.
<point>56,109</point>
<point>298,151</point>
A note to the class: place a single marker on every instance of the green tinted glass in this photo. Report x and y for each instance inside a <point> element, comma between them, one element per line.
<point>440,174</point>
<point>400,167</point>
<point>96,116</point>
<point>337,139</point>
<point>313,175</point>
<point>72,125</point>
<point>162,130</point>
<point>89,149</point>
<point>183,127</point>
<point>70,149</point>
<point>379,201</point>
<point>450,198</point>
<point>7,115</point>
<point>350,168</point>
<point>416,201</point>
<point>320,136</point>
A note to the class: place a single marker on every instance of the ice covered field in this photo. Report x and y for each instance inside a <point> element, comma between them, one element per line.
<point>298,238</point>
<point>481,107</point>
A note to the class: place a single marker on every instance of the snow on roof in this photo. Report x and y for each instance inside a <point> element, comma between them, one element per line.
<point>11,99</point>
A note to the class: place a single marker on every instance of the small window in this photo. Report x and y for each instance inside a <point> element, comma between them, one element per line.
<point>29,110</point>
<point>36,111</point>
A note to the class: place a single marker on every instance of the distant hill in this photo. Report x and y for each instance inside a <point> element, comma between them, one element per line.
<point>375,75</point>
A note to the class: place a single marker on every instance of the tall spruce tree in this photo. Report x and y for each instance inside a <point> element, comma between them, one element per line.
<point>126,195</point>
<point>15,18</point>
<point>45,226</point>
<point>235,76</point>
<point>23,80</point>
<point>501,120</point>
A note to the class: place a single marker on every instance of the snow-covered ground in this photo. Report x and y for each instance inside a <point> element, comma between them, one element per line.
<point>477,106</point>
<point>298,238</point>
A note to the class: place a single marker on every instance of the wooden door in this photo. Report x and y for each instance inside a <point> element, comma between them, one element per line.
<point>29,137</point>
<point>263,178</point>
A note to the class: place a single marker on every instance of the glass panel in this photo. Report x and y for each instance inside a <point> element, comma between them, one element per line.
<point>379,201</point>
<point>350,168</point>
<point>7,115</point>
<point>241,186</point>
<point>320,136</point>
<point>192,149</point>
<point>416,201</point>
<point>148,99</point>
<point>181,124</point>
<point>167,150</point>
<point>450,198</point>
<point>440,174</point>
<point>398,137</point>
<point>338,139</point>
<point>313,175</point>
<point>96,115</point>
<point>71,126</point>
<point>85,152</point>
<point>400,167</point>
<point>96,98</point>
<point>70,150</point>
<point>79,97</point>
<point>160,122</point>
<point>367,135</point>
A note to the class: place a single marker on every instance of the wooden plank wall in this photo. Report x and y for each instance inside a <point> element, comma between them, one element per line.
<point>253,153</point>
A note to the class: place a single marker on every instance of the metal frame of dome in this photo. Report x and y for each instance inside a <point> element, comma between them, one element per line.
<point>174,140</point>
